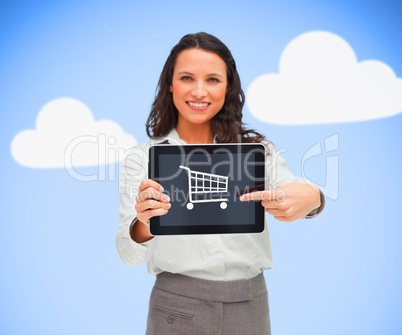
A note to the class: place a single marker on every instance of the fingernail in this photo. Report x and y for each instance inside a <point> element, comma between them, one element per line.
<point>167,205</point>
<point>161,189</point>
<point>242,198</point>
<point>165,198</point>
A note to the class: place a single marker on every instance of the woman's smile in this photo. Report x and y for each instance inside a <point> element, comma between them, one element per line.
<point>200,106</point>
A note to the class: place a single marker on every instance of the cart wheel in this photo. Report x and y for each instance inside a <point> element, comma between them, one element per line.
<point>190,206</point>
<point>224,205</point>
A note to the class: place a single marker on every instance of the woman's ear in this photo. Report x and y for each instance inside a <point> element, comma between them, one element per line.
<point>170,89</point>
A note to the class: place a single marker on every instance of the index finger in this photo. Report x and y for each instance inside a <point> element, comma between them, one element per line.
<point>260,195</point>
<point>150,183</point>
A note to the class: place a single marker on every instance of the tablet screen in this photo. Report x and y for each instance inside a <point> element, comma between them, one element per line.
<point>204,183</point>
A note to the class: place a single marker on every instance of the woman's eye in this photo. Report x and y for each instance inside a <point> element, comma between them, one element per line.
<point>186,78</point>
<point>214,79</point>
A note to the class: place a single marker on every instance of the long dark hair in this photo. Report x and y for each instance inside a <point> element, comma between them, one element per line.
<point>227,125</point>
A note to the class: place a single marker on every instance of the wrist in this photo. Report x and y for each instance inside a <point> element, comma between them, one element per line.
<point>316,211</point>
<point>139,231</point>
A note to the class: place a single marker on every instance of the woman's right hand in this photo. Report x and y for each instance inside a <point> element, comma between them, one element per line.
<point>150,201</point>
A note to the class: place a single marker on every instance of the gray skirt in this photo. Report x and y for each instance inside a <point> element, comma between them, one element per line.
<point>182,305</point>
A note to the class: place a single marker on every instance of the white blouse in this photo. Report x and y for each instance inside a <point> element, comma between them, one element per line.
<point>223,257</point>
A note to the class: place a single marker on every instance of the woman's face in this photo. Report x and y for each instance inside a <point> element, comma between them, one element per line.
<point>198,86</point>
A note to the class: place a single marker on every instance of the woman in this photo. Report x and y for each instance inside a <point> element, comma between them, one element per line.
<point>210,284</point>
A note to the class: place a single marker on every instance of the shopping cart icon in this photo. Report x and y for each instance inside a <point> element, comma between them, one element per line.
<point>207,185</point>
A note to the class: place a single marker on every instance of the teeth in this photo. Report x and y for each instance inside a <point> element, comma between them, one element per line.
<point>198,105</point>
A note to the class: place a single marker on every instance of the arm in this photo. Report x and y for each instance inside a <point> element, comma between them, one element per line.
<point>287,198</point>
<point>134,243</point>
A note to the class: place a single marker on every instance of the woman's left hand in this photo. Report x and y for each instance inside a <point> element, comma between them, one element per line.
<point>288,202</point>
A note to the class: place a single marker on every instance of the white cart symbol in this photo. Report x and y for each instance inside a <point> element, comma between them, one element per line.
<point>205,183</point>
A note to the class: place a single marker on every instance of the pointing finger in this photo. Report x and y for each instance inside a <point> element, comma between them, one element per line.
<point>261,195</point>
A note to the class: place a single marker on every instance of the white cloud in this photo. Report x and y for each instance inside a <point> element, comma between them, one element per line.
<point>320,81</point>
<point>67,135</point>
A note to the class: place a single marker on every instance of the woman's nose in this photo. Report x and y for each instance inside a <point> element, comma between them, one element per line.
<point>199,91</point>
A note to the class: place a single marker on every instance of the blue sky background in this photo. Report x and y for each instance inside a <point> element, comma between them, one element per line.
<point>60,271</point>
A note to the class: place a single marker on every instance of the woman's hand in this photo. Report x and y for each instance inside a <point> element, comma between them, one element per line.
<point>288,202</point>
<point>150,201</point>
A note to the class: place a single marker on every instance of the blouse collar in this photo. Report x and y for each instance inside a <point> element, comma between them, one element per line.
<point>174,138</point>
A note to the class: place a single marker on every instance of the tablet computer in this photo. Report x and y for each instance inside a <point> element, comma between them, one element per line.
<point>204,183</point>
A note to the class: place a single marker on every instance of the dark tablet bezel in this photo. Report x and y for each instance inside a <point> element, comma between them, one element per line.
<point>243,148</point>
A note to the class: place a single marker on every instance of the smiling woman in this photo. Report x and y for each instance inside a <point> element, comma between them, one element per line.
<point>208,66</point>
<point>206,284</point>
